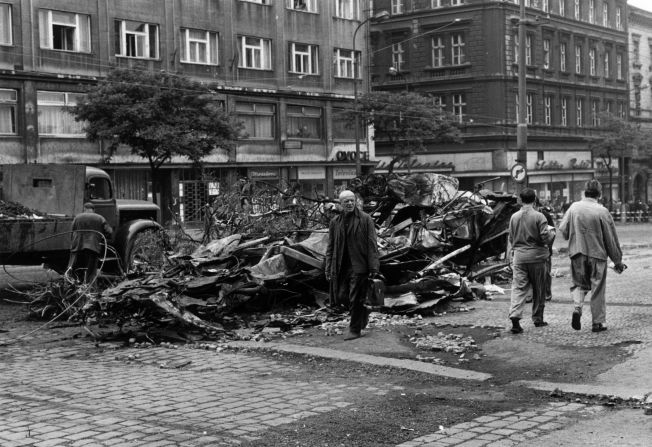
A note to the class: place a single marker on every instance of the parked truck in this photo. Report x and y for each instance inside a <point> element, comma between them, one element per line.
<point>58,193</point>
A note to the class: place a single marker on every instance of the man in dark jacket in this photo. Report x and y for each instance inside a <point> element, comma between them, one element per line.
<point>89,233</point>
<point>351,258</point>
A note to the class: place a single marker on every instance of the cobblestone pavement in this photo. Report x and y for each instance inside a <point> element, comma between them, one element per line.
<point>130,398</point>
<point>506,428</point>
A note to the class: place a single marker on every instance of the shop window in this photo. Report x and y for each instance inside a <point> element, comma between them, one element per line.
<point>259,120</point>
<point>53,115</point>
<point>304,122</point>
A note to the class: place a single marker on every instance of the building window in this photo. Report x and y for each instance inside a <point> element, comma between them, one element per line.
<point>260,2</point>
<point>564,112</point>
<point>397,56</point>
<point>347,9</point>
<point>546,53</point>
<point>457,2</point>
<point>605,14</point>
<point>529,112</point>
<point>619,67</point>
<point>592,69</point>
<point>547,110</point>
<point>607,66</point>
<point>8,103</point>
<point>436,3</point>
<point>517,48</point>
<point>621,110</point>
<point>5,24</point>
<point>595,117</point>
<point>609,107</point>
<point>459,106</point>
<point>636,43</point>
<point>619,25</point>
<point>578,113</point>
<point>457,49</point>
<point>591,11</point>
<point>562,8</point>
<point>562,56</point>
<point>439,101</point>
<point>304,122</point>
<point>64,31</point>
<point>397,7</point>
<point>258,119</point>
<point>528,49</point>
<point>136,39</point>
<point>437,51</point>
<point>545,6</point>
<point>255,53</point>
<point>345,64</point>
<point>53,115</point>
<point>199,47</point>
<point>302,5</point>
<point>304,58</point>
<point>578,59</point>
<point>577,10</point>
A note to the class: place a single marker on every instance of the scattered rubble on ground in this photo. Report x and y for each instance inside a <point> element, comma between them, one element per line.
<point>434,242</point>
<point>13,210</point>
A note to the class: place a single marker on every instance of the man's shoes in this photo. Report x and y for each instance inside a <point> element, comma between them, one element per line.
<point>516,326</point>
<point>365,317</point>
<point>598,327</point>
<point>576,321</point>
<point>549,298</point>
<point>352,336</point>
<point>528,300</point>
<point>540,323</point>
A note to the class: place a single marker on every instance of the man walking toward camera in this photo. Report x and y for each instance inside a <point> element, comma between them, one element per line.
<point>351,259</point>
<point>529,237</point>
<point>591,234</point>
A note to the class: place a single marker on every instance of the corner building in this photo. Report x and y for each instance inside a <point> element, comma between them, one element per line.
<point>464,54</point>
<point>286,67</point>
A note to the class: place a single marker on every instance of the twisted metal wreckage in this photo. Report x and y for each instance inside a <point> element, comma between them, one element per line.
<point>433,239</point>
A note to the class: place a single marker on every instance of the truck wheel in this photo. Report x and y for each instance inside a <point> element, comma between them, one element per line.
<point>146,252</point>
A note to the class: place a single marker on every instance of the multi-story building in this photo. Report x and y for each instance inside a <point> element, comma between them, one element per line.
<point>640,90</point>
<point>464,54</point>
<point>286,68</point>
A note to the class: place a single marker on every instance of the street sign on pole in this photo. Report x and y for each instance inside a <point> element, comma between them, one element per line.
<point>518,172</point>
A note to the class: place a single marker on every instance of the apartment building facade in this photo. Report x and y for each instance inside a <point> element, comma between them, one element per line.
<point>464,54</point>
<point>286,68</point>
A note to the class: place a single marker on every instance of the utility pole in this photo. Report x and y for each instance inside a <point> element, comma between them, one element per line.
<point>521,127</point>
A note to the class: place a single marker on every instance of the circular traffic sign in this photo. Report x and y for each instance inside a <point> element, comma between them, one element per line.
<point>518,172</point>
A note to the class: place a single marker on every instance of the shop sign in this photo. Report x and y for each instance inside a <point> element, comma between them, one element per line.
<point>350,156</point>
<point>343,173</point>
<point>263,173</point>
<point>417,165</point>
<point>573,163</point>
<point>311,173</point>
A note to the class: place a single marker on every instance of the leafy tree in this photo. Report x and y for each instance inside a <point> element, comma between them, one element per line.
<point>620,139</point>
<point>158,115</point>
<point>407,121</point>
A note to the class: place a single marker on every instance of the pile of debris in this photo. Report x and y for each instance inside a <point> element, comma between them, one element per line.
<point>13,210</point>
<point>434,242</point>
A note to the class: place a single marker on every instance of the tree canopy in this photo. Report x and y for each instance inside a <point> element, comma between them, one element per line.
<point>407,121</point>
<point>158,115</point>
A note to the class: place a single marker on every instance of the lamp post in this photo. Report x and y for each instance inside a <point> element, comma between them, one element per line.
<point>521,126</point>
<point>379,17</point>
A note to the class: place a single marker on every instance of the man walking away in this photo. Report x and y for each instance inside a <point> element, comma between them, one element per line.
<point>529,237</point>
<point>88,229</point>
<point>592,237</point>
<point>351,259</point>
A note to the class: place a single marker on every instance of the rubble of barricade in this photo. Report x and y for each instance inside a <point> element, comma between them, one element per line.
<point>434,243</point>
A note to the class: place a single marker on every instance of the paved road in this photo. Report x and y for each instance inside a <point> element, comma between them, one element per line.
<point>80,395</point>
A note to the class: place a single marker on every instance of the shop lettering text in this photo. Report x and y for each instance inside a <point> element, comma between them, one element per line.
<point>418,165</point>
<point>573,163</point>
<point>350,156</point>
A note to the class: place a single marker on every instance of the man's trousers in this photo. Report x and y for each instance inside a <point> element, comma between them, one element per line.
<point>353,289</point>
<point>589,275</point>
<point>528,280</point>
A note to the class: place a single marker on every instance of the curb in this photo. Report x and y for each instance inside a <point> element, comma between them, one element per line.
<point>412,365</point>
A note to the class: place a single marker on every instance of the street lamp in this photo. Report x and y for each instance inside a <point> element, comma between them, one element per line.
<point>378,17</point>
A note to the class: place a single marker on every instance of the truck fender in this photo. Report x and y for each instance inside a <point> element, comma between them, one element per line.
<point>128,232</point>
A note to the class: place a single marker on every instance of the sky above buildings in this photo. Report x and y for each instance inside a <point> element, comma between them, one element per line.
<point>643,4</point>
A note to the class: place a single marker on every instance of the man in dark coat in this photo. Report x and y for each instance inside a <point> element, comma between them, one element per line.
<point>351,259</point>
<point>88,229</point>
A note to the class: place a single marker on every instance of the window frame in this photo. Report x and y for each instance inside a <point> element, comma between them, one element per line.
<point>398,62</point>
<point>546,53</point>
<point>619,67</point>
<point>459,103</point>
<point>607,64</point>
<point>563,107</point>
<point>187,41</point>
<point>80,44</point>
<point>257,113</point>
<point>248,53</point>
<point>619,21</point>
<point>578,59</point>
<point>310,6</point>
<point>397,7</point>
<point>592,64</point>
<point>547,110</point>
<point>347,9</point>
<point>528,49</point>
<point>438,51</point>
<point>123,51</point>
<point>8,26</point>
<point>577,10</point>
<point>319,117</point>
<point>595,115</point>
<point>592,11</point>
<point>457,49</point>
<point>12,105</point>
<point>348,60</point>
<point>312,55</point>
<point>605,14</point>
<point>61,105</point>
<point>562,8</point>
<point>563,66</point>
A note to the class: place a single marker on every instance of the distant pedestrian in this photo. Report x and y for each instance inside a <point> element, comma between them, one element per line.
<point>90,231</point>
<point>351,259</point>
<point>529,236</point>
<point>592,238</point>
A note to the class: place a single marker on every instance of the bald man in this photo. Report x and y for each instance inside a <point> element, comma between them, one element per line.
<point>351,258</point>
